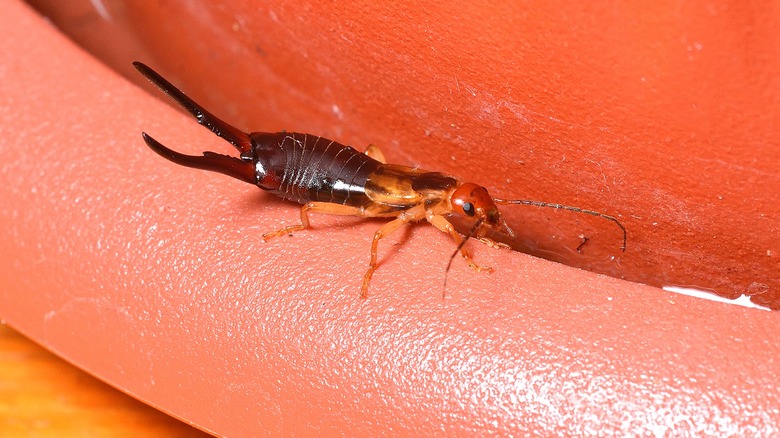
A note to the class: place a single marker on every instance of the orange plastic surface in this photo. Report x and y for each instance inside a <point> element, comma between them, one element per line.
<point>663,115</point>
<point>154,277</point>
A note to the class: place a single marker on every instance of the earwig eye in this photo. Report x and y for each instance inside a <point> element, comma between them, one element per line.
<point>468,208</point>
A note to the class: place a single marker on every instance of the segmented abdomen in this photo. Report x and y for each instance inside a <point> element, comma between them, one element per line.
<point>303,168</point>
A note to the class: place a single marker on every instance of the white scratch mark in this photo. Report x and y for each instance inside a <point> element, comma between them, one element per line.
<point>744,300</point>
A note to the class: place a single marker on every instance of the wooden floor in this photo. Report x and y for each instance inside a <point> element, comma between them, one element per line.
<point>44,396</point>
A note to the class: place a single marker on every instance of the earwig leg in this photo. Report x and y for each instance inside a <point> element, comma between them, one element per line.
<point>374,152</point>
<point>383,231</point>
<point>410,215</point>
<point>445,226</point>
<point>493,244</point>
<point>315,207</point>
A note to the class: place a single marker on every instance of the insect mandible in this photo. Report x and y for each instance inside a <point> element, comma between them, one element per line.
<point>327,177</point>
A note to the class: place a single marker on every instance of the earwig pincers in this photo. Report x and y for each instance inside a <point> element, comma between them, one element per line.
<point>327,177</point>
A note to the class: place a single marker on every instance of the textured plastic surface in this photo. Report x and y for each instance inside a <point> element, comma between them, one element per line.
<point>154,278</point>
<point>664,115</point>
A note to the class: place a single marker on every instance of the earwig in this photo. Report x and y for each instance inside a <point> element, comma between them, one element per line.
<point>327,177</point>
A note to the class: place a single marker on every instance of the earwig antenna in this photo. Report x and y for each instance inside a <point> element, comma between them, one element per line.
<point>567,207</point>
<point>457,250</point>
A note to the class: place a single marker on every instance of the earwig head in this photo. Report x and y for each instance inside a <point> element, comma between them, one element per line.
<point>473,201</point>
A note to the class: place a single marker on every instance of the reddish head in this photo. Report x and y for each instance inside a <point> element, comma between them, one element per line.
<point>473,200</point>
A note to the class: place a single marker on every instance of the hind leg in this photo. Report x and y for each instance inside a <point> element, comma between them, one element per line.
<point>315,207</point>
<point>374,152</point>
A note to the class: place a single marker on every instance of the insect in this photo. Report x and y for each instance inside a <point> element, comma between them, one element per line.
<point>327,177</point>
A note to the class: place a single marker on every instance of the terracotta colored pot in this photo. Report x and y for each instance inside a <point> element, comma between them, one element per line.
<point>154,278</point>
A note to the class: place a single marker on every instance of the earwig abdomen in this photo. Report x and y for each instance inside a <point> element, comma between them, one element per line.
<point>305,168</point>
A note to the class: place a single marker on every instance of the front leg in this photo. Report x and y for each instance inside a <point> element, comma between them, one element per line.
<point>445,226</point>
<point>315,207</point>
<point>493,244</point>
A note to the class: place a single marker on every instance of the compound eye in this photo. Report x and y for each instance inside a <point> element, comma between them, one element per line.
<point>468,208</point>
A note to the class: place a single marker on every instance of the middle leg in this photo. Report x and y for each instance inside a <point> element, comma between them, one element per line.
<point>411,215</point>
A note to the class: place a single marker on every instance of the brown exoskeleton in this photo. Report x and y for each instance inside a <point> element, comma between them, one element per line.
<point>328,177</point>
